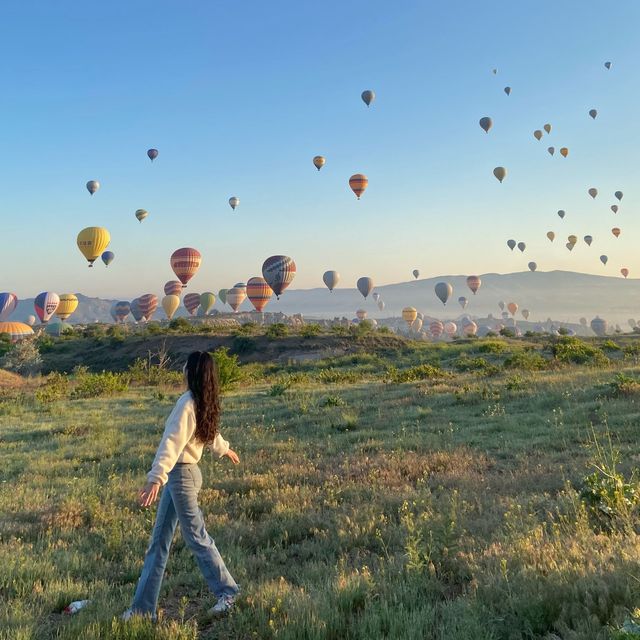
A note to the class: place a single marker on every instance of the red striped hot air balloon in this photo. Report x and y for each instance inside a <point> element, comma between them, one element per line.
<point>279,272</point>
<point>474,282</point>
<point>148,303</point>
<point>45,304</point>
<point>121,310</point>
<point>358,183</point>
<point>191,302</point>
<point>185,263</point>
<point>436,328</point>
<point>258,292</point>
<point>173,288</point>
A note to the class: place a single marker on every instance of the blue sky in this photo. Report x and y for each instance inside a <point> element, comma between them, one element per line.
<point>238,98</point>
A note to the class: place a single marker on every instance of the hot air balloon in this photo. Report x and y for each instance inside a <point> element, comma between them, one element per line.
<point>112,311</point>
<point>416,325</point>
<point>494,71</point>
<point>486,123</point>
<point>259,293</point>
<point>588,240</point>
<point>222,294</point>
<point>570,245</point>
<point>319,162</point>
<point>152,154</point>
<point>136,311</point>
<point>561,213</point>
<point>615,231</point>
<point>607,65</point>
<point>148,303</point>
<point>436,328</point>
<point>93,186</point>
<point>368,97</point>
<point>513,308</point>
<point>500,173</point>
<point>241,285</point>
<point>191,302</point>
<point>532,266</point>
<point>551,235</point>
<point>8,304</point>
<point>593,192</point>
<point>107,257</point>
<point>92,241</point>
<point>15,330</point>
<point>207,300</point>
<point>463,301</point>
<point>416,274</point>
<point>614,208</point>
<point>507,90</point>
<point>381,305</point>
<point>593,113</point>
<point>522,246</point>
<point>234,202</point>
<point>141,214</point>
<point>331,279</point>
<point>409,314</point>
<point>547,128</point>
<point>170,304</point>
<point>537,134</point>
<point>358,183</point>
<point>45,305</point>
<point>450,328</point>
<point>365,286</point>
<point>443,291</point>
<point>564,152</point>
<point>121,310</point>
<point>511,244</point>
<point>551,150</point>
<point>501,304</point>
<point>474,283</point>
<point>618,194</point>
<point>525,314</point>
<point>67,305</point>
<point>599,326</point>
<point>235,297</point>
<point>376,296</point>
<point>361,314</point>
<point>604,259</point>
<point>573,239</point>
<point>470,328</point>
<point>31,320</point>
<point>279,272</point>
<point>173,288</point>
<point>185,263</point>
<point>624,271</point>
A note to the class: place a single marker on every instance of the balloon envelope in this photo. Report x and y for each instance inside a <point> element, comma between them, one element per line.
<point>141,214</point>
<point>415,273</point>
<point>170,304</point>
<point>279,272</point>
<point>507,90</point>
<point>599,326</point>
<point>185,263</point>
<point>593,113</point>
<point>561,213</point>
<point>614,208</point>
<point>107,257</point>
<point>551,150</point>
<point>588,240</point>
<point>368,96</point>
<point>463,301</point>
<point>474,283</point>
<point>331,279</point>
<point>234,202</point>
<point>191,302</point>
<point>615,231</point>
<point>409,314</point>
<point>235,297</point>
<point>525,314</point>
<point>532,266</point>
<point>537,134</point>
<point>358,183</point>
<point>258,292</point>
<point>15,330</point>
<point>564,152</point>
<point>500,173</point>
<point>381,304</point>
<point>361,314</point>
<point>604,259</point>
<point>222,294</point>
<point>93,186</point>
<point>152,154</point>
<point>573,239</point>
<point>172,288</point>
<point>8,304</point>
<point>513,308</point>
<point>522,246</point>
<point>365,285</point>
<point>624,271</point>
<point>45,304</point>
<point>511,244</point>
<point>319,162</point>
<point>443,291</point>
<point>136,311</point>
<point>618,194</point>
<point>148,303</point>
<point>547,128</point>
<point>551,235</point>
<point>207,300</point>
<point>67,305</point>
<point>121,310</point>
<point>593,192</point>
<point>92,241</point>
<point>486,123</point>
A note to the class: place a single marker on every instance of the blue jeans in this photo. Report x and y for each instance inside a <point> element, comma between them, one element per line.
<point>179,503</point>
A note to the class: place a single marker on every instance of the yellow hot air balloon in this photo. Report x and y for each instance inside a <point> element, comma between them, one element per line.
<point>170,304</point>
<point>409,314</point>
<point>67,305</point>
<point>551,235</point>
<point>92,241</point>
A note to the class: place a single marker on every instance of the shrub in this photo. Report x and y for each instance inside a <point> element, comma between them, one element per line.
<point>526,360</point>
<point>153,328</point>
<point>363,328</point>
<point>117,333</point>
<point>624,385</point>
<point>492,346</point>
<point>23,358</point>
<point>385,330</point>
<point>415,374</point>
<point>507,332</point>
<point>56,387</point>
<point>563,331</point>
<point>279,388</point>
<point>333,401</point>
<point>310,330</point>
<point>515,383</point>
<point>464,363</point>
<point>632,351</point>
<point>337,376</point>
<point>246,329</point>
<point>96,331</point>
<point>339,330</point>
<point>277,330</point>
<point>181,325</point>
<point>243,344</point>
<point>610,345</point>
<point>229,370</point>
<point>106,383</point>
<point>144,372</point>
<point>573,350</point>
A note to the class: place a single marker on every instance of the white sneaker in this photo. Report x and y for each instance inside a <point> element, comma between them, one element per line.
<point>223,606</point>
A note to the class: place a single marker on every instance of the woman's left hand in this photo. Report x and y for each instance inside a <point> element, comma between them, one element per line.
<point>233,456</point>
<point>149,494</point>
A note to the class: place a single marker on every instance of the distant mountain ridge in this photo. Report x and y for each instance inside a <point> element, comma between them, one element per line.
<point>564,296</point>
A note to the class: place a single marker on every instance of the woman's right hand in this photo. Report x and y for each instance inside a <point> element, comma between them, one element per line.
<point>149,494</point>
<point>233,456</point>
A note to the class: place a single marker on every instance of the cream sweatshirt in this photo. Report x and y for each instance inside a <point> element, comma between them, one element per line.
<point>178,443</point>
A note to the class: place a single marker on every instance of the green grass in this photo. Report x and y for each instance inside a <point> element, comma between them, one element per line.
<point>364,506</point>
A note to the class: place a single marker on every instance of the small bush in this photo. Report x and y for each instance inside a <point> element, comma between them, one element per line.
<point>229,370</point>
<point>507,332</point>
<point>310,330</point>
<point>492,346</point>
<point>145,372</point>
<point>337,376</point>
<point>243,344</point>
<point>106,383</point>
<point>279,388</point>
<point>23,358</point>
<point>153,328</point>
<point>181,325</point>
<point>610,345</point>
<point>563,331</point>
<point>339,330</point>
<point>117,333</point>
<point>361,329</point>
<point>624,385</point>
<point>415,374</point>
<point>56,387</point>
<point>572,350</point>
<point>277,330</point>
<point>384,330</point>
<point>464,363</point>
<point>333,401</point>
<point>96,331</point>
<point>632,351</point>
<point>246,329</point>
<point>527,361</point>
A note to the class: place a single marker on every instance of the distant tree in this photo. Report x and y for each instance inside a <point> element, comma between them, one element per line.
<point>24,358</point>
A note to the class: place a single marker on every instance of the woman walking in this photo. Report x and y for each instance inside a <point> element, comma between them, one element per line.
<point>192,425</point>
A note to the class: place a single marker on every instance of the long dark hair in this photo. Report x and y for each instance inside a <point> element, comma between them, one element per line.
<point>202,380</point>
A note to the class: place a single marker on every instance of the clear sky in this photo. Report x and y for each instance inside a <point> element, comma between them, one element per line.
<point>239,96</point>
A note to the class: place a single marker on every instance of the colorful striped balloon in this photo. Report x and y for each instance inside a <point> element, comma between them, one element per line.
<point>358,183</point>
<point>450,328</point>
<point>173,288</point>
<point>279,272</point>
<point>121,310</point>
<point>45,305</point>
<point>436,328</point>
<point>15,330</point>
<point>148,304</point>
<point>191,302</point>
<point>474,283</point>
<point>259,293</point>
<point>8,304</point>
<point>235,297</point>
<point>185,263</point>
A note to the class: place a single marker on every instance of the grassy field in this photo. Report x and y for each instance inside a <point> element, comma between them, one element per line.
<point>430,491</point>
